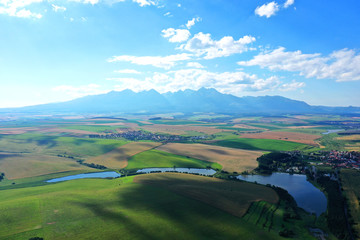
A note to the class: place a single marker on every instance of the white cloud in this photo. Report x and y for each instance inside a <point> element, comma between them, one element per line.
<point>341,65</point>
<point>128,71</point>
<point>194,65</point>
<point>288,3</point>
<point>76,92</point>
<point>143,3</point>
<point>58,8</point>
<point>156,61</point>
<point>168,14</point>
<point>178,5</point>
<point>176,35</point>
<point>202,44</point>
<point>191,22</point>
<point>291,86</point>
<point>21,8</point>
<point>121,79</point>
<point>267,10</point>
<point>92,2</point>
<point>226,82</point>
<point>16,8</point>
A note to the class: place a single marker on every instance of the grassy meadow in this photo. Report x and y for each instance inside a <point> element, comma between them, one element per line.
<point>121,208</point>
<point>350,180</point>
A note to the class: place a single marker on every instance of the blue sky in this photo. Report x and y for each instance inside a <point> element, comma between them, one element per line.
<point>53,51</point>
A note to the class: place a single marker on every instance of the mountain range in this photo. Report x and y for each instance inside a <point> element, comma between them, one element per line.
<point>187,101</point>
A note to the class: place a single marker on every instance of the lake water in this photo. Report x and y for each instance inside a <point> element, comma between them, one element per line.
<point>306,195</point>
<point>202,171</point>
<point>332,131</point>
<point>86,175</point>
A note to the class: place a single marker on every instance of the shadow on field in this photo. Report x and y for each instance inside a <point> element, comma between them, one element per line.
<point>2,155</point>
<point>236,144</point>
<point>149,212</point>
<point>48,141</point>
<point>218,151</point>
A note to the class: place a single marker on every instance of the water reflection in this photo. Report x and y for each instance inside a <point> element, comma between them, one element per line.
<point>306,195</point>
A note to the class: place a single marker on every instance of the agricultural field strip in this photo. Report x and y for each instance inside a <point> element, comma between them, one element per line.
<point>179,129</point>
<point>286,136</point>
<point>158,158</point>
<point>16,166</point>
<point>232,160</point>
<point>260,144</point>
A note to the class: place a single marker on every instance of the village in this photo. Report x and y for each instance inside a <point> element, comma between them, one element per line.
<point>142,135</point>
<point>336,159</point>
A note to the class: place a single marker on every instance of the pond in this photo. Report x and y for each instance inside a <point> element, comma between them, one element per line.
<point>86,175</point>
<point>306,195</point>
<point>201,171</point>
<point>332,131</point>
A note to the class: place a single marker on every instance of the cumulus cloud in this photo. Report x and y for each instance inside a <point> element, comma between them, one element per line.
<point>176,35</point>
<point>194,65</point>
<point>16,8</point>
<point>128,71</point>
<point>76,92</point>
<point>341,65</point>
<point>143,3</point>
<point>288,3</point>
<point>202,45</point>
<point>165,62</point>
<point>292,86</point>
<point>226,82</point>
<point>268,9</point>
<point>192,22</point>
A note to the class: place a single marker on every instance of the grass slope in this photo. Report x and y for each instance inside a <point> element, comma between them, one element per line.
<point>231,196</point>
<point>116,209</point>
<point>350,180</point>
<point>156,158</point>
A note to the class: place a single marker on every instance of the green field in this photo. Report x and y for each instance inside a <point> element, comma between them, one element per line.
<point>350,180</point>
<point>261,144</point>
<point>156,158</point>
<point>115,209</point>
<point>53,145</point>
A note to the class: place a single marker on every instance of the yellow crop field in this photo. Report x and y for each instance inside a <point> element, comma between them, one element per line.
<point>29,165</point>
<point>232,160</point>
<point>180,129</point>
<point>354,137</point>
<point>286,136</point>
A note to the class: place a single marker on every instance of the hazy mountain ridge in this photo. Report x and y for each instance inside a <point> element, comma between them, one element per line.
<point>188,101</point>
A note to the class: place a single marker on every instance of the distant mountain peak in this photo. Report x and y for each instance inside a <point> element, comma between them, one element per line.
<point>187,101</point>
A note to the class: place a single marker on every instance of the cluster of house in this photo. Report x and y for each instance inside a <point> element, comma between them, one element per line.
<point>337,159</point>
<point>142,135</point>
